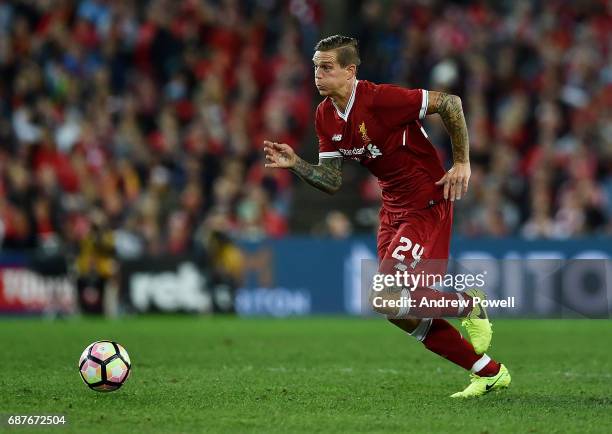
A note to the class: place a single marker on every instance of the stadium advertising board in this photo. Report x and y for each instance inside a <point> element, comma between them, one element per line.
<point>174,284</point>
<point>536,279</point>
<point>35,285</point>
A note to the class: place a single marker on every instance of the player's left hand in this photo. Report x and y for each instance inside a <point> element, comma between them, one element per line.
<point>279,155</point>
<point>456,181</point>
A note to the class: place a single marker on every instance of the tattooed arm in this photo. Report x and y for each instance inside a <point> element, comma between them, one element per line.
<point>326,176</point>
<point>449,108</point>
<point>451,111</point>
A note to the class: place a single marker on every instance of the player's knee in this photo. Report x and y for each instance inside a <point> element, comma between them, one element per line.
<point>377,302</point>
<point>393,304</point>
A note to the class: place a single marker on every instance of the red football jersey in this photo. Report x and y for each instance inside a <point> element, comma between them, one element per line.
<point>380,128</point>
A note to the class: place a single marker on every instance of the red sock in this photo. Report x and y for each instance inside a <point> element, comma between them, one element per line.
<point>443,339</point>
<point>464,301</point>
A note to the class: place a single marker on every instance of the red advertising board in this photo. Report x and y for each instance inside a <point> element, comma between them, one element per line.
<point>26,291</point>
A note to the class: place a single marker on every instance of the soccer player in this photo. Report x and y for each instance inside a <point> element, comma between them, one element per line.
<point>379,126</point>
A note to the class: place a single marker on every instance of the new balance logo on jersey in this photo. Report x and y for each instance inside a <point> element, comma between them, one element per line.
<point>336,137</point>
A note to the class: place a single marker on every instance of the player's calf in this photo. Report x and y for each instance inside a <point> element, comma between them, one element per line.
<point>398,303</point>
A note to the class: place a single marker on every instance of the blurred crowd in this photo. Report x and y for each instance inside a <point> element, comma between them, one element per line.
<point>535,78</point>
<point>144,119</point>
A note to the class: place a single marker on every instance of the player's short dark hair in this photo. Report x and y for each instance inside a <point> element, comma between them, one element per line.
<point>346,48</point>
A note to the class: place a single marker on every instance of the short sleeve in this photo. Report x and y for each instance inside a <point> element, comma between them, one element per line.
<point>327,149</point>
<point>396,106</point>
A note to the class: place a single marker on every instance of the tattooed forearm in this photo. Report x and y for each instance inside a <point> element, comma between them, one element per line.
<point>450,110</point>
<point>326,176</point>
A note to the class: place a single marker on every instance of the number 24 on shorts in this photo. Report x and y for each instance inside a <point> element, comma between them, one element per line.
<point>417,251</point>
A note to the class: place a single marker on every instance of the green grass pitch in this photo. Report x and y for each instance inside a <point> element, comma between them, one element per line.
<point>333,375</point>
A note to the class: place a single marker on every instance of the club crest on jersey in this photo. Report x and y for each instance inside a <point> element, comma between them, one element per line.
<point>336,137</point>
<point>373,149</point>
<point>364,133</point>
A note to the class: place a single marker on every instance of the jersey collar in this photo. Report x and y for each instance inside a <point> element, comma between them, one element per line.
<point>349,105</point>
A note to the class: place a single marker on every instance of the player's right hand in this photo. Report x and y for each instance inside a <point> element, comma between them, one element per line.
<point>279,155</point>
<point>456,181</point>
